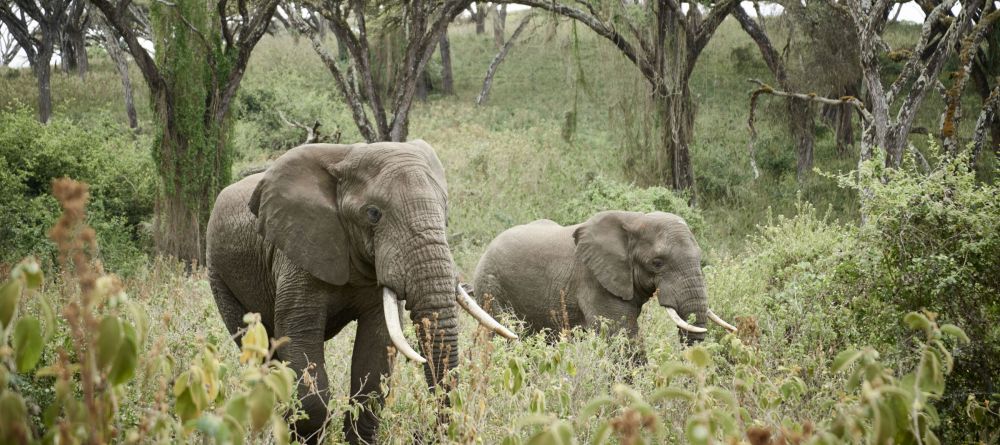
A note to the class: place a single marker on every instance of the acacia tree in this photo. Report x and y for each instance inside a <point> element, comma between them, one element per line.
<point>381,114</point>
<point>664,43</point>
<point>8,45</point>
<point>74,45</point>
<point>923,65</point>
<point>816,57</point>
<point>201,53</point>
<point>36,26</point>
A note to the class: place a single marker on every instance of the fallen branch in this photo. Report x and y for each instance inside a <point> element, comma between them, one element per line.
<point>764,88</point>
<point>495,64</point>
<point>312,132</point>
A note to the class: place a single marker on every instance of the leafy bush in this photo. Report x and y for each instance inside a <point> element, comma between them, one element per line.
<point>91,358</point>
<point>606,194</point>
<point>119,171</point>
<point>935,245</point>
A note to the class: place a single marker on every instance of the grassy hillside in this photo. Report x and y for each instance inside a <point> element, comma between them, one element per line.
<point>785,260</point>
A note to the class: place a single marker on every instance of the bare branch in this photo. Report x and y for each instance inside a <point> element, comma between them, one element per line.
<point>849,100</point>
<point>488,81</point>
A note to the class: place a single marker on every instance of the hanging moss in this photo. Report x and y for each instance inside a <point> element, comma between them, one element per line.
<point>192,149</point>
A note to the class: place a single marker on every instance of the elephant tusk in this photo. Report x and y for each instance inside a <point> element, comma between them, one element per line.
<point>390,306</point>
<point>683,324</point>
<point>719,321</point>
<point>481,316</point>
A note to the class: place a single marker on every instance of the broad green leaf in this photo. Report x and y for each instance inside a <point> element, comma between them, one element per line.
<point>261,403</point>
<point>27,343</point>
<point>109,340</point>
<point>185,408</point>
<point>537,403</point>
<point>723,396</point>
<point>844,359</point>
<point>237,409</point>
<point>917,321</point>
<point>123,365</point>
<point>15,414</point>
<point>282,389</point>
<point>955,331</point>
<point>699,356</point>
<point>31,272</point>
<point>10,292</point>
<point>279,429</point>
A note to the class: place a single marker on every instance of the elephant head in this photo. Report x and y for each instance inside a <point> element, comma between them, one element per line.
<point>372,214</point>
<point>636,255</point>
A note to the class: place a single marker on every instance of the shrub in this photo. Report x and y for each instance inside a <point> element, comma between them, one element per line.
<point>87,361</point>
<point>606,194</point>
<point>934,245</point>
<point>120,173</point>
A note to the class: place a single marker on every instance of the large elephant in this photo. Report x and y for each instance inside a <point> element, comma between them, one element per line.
<point>556,277</point>
<point>331,234</point>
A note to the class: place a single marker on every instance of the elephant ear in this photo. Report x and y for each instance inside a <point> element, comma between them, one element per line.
<point>296,208</point>
<point>437,169</point>
<point>602,243</point>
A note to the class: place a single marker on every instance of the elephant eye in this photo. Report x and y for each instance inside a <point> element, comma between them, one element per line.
<point>657,263</point>
<point>374,214</point>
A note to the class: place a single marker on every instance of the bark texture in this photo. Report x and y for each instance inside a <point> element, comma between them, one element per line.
<point>193,165</point>
<point>484,93</point>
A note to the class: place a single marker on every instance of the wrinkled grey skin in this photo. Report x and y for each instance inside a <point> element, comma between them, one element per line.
<point>296,244</point>
<point>605,268</point>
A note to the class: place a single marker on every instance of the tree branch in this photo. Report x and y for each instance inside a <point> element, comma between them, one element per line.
<point>594,23</point>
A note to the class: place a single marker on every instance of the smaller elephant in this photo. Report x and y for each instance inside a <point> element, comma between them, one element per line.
<point>556,277</point>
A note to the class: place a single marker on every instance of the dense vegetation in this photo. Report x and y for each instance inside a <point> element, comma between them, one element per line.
<point>847,331</point>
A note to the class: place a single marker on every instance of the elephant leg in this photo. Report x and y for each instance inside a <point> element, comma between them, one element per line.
<point>302,319</point>
<point>370,361</point>
<point>229,307</point>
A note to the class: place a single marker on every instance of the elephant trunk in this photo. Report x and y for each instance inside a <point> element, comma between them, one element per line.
<point>433,310</point>
<point>683,295</point>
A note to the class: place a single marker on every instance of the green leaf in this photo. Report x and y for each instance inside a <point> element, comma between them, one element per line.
<point>672,393</point>
<point>844,359</point>
<point>27,343</point>
<point>699,356</point>
<point>279,385</point>
<point>15,413</point>
<point>723,396</point>
<point>279,429</point>
<point>602,434</point>
<point>124,363</point>
<point>261,403</point>
<point>31,272</point>
<point>955,332</point>
<point>109,340</point>
<point>592,407</point>
<point>917,321</point>
<point>237,409</point>
<point>10,292</point>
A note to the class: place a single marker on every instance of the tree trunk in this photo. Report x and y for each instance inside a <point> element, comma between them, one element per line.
<point>423,86</point>
<point>80,48</point>
<point>121,64</point>
<point>484,94</point>
<point>801,121</point>
<point>447,79</point>
<point>499,24</point>
<point>43,75</point>
<point>677,116</point>
<point>480,17</point>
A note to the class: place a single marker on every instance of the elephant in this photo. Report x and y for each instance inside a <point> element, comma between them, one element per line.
<point>330,234</point>
<point>555,277</point>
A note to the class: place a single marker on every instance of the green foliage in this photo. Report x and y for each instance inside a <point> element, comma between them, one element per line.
<point>192,150</point>
<point>602,194</point>
<point>91,356</point>
<point>934,245</point>
<point>32,155</point>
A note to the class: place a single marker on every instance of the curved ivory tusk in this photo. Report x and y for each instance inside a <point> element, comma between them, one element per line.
<point>683,324</point>
<point>390,305</point>
<point>720,321</point>
<point>480,315</point>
